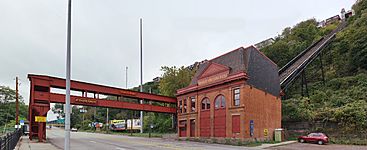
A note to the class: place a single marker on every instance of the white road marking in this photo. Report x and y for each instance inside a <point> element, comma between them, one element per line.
<point>119,148</point>
<point>93,141</point>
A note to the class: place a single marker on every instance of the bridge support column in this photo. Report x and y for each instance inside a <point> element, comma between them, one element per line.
<point>304,83</point>
<point>38,129</point>
<point>322,69</point>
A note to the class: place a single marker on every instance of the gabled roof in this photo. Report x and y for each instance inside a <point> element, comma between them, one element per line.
<point>262,72</point>
<point>211,69</point>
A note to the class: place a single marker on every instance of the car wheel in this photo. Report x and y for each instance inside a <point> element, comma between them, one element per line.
<point>320,142</point>
<point>301,140</point>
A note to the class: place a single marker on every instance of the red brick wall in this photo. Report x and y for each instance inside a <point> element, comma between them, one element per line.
<point>263,108</point>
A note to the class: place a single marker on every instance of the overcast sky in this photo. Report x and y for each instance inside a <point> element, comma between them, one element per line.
<point>105,34</point>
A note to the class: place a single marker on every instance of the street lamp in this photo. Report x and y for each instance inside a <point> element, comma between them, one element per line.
<point>68,72</point>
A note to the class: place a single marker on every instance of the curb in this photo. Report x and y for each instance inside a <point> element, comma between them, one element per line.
<point>263,146</point>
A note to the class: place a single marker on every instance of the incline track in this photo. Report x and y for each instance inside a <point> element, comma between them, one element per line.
<point>293,68</point>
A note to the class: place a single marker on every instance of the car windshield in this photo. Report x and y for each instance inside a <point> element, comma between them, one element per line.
<point>314,134</point>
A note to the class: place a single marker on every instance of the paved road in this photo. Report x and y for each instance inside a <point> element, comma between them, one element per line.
<point>95,141</point>
<point>310,146</point>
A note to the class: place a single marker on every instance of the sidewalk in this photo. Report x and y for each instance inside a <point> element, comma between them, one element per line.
<point>263,146</point>
<point>25,144</point>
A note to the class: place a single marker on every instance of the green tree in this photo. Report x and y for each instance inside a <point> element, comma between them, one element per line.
<point>294,40</point>
<point>7,105</point>
<point>174,78</point>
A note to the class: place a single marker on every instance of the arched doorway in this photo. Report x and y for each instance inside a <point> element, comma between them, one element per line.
<point>205,118</point>
<point>220,116</point>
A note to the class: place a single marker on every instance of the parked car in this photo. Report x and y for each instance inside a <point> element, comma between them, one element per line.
<point>319,138</point>
<point>74,130</point>
<point>26,129</point>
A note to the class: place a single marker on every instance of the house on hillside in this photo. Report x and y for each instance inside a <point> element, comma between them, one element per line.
<point>264,43</point>
<point>346,14</point>
<point>233,95</point>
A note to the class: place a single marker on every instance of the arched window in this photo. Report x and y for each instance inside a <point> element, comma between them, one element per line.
<point>220,102</point>
<point>205,104</point>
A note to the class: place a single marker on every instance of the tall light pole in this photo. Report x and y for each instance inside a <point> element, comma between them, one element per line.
<point>16,103</point>
<point>141,71</point>
<point>126,77</point>
<point>68,66</point>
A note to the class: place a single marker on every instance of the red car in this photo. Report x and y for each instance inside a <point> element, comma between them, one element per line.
<point>319,138</point>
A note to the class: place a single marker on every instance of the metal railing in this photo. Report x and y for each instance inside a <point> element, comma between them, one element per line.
<point>10,140</point>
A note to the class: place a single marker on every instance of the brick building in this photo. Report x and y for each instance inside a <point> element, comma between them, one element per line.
<point>233,95</point>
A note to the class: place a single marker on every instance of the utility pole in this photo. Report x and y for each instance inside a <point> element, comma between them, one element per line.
<point>107,121</point>
<point>68,66</point>
<point>141,71</point>
<point>83,116</point>
<point>16,102</point>
<point>126,78</point>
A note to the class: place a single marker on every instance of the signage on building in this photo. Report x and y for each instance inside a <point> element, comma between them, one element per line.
<point>125,92</point>
<point>251,127</point>
<point>266,131</point>
<point>86,100</point>
<point>212,78</point>
<point>40,119</point>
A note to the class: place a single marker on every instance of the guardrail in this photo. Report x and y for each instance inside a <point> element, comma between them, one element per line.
<point>10,140</point>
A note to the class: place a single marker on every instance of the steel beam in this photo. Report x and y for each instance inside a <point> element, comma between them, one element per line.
<point>41,97</point>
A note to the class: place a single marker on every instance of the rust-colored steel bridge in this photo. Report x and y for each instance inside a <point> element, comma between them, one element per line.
<point>46,89</point>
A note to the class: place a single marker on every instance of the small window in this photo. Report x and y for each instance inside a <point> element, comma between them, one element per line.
<point>180,106</point>
<point>236,97</point>
<point>205,104</point>
<point>193,103</point>
<point>185,106</point>
<point>220,102</point>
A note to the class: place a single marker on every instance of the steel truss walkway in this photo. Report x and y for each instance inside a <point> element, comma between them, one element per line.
<point>44,91</point>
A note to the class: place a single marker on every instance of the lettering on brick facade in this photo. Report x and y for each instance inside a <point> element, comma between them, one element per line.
<point>213,78</point>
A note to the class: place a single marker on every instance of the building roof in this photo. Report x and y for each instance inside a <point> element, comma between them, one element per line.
<point>261,71</point>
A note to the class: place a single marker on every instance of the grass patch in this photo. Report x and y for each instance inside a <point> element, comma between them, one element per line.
<point>349,141</point>
<point>251,144</point>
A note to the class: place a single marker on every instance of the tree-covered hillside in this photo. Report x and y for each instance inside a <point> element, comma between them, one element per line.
<point>342,98</point>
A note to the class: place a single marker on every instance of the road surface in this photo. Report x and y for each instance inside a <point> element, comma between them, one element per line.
<point>96,141</point>
<point>310,146</point>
